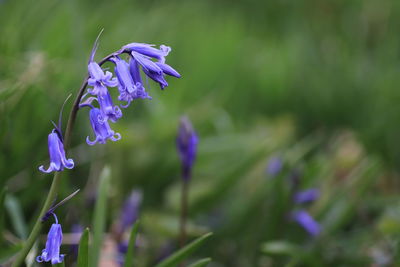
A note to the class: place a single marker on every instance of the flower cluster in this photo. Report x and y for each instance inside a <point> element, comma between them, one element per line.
<point>129,81</point>
<point>301,216</point>
<point>140,58</point>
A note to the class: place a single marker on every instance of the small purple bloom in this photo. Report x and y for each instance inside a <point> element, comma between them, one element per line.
<point>187,146</point>
<point>53,243</point>
<point>274,166</point>
<point>98,79</point>
<point>58,159</point>
<point>101,128</point>
<point>130,210</point>
<point>307,222</point>
<point>109,111</point>
<point>142,54</point>
<point>129,81</point>
<point>306,196</point>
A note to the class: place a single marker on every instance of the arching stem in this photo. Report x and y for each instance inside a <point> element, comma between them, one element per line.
<point>57,175</point>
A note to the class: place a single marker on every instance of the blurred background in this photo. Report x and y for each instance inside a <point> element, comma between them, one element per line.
<point>284,96</point>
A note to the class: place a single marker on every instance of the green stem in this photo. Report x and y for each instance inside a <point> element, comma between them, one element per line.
<point>56,179</point>
<point>184,212</point>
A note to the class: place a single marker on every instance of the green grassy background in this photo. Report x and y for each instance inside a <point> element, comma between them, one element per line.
<point>314,82</point>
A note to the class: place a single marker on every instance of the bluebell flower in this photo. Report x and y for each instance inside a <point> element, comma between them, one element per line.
<point>109,111</point>
<point>187,146</point>
<point>52,250</point>
<point>58,160</point>
<point>274,166</point>
<point>99,79</point>
<point>77,230</point>
<point>305,196</point>
<point>129,81</point>
<point>306,221</point>
<point>155,70</point>
<point>130,210</point>
<point>101,128</point>
<point>143,53</point>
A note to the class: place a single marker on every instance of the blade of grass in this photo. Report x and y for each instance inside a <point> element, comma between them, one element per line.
<point>17,218</point>
<point>2,209</point>
<point>83,252</point>
<point>99,220</point>
<point>184,252</point>
<point>131,246</point>
<point>201,263</point>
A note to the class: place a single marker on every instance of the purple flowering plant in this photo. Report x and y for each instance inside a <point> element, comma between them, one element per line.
<point>131,62</point>
<point>186,143</point>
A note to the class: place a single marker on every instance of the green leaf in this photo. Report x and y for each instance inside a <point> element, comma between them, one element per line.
<point>131,246</point>
<point>17,218</point>
<point>100,213</point>
<point>201,263</point>
<point>184,252</point>
<point>83,253</point>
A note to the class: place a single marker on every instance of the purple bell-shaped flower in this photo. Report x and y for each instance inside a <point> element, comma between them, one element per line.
<point>101,128</point>
<point>58,159</point>
<point>52,250</point>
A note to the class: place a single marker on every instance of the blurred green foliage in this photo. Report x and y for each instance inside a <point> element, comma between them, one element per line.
<point>311,81</point>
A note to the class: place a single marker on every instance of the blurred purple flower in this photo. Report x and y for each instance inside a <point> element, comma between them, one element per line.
<point>305,196</point>
<point>78,230</point>
<point>187,146</point>
<point>58,159</point>
<point>130,210</point>
<point>304,219</point>
<point>101,128</point>
<point>53,243</point>
<point>274,166</point>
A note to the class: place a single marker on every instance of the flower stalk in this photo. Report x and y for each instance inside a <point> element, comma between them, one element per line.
<point>57,175</point>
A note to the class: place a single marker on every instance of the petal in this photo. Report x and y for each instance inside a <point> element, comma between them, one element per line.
<point>146,50</point>
<point>167,69</point>
<point>115,137</point>
<point>146,63</point>
<point>42,169</point>
<point>91,143</point>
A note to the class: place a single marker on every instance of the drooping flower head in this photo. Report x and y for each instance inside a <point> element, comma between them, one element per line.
<point>129,81</point>
<point>130,210</point>
<point>304,219</point>
<point>99,79</point>
<point>101,128</point>
<point>143,53</point>
<point>51,253</point>
<point>306,196</point>
<point>187,146</point>
<point>274,166</point>
<point>58,160</point>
